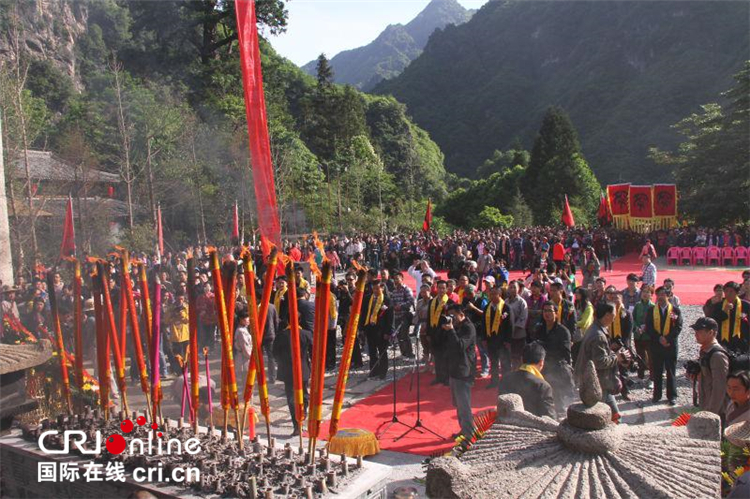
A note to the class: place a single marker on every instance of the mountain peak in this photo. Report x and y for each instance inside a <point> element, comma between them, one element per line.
<point>437,14</point>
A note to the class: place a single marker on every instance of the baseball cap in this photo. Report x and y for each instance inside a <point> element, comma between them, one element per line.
<point>705,323</point>
<point>490,280</point>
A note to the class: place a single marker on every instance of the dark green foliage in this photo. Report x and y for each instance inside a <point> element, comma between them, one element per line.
<point>625,71</point>
<point>557,169</point>
<point>47,82</point>
<point>501,161</point>
<point>713,161</point>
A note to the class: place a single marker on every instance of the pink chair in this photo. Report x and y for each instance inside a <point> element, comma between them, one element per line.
<point>727,254</point>
<point>740,254</point>
<point>686,255</point>
<point>673,254</point>
<point>699,255</point>
<point>713,255</point>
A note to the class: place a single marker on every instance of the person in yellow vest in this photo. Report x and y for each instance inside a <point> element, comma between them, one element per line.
<point>378,325</point>
<point>179,330</point>
<point>279,297</point>
<point>663,326</point>
<point>496,333</point>
<point>529,383</point>
<point>732,314</point>
<point>435,311</point>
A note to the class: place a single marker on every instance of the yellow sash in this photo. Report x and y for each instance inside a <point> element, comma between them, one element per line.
<point>559,310</point>
<point>436,309</point>
<point>657,319</point>
<point>737,316</point>
<point>277,299</point>
<point>530,368</point>
<point>332,311</point>
<point>494,328</point>
<point>372,313</point>
<point>461,295</point>
<point>616,326</point>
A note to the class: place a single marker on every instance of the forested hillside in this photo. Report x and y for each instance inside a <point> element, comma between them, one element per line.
<point>623,71</point>
<point>152,91</point>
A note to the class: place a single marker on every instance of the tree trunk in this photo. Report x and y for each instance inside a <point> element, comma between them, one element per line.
<point>150,180</point>
<point>6,256</point>
<point>126,172</point>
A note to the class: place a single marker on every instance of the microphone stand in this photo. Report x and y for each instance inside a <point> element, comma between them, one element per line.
<point>394,417</point>
<point>418,426</point>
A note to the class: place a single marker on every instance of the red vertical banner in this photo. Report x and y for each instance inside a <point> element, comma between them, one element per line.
<point>641,208</point>
<point>257,124</point>
<point>236,225</point>
<point>68,246</point>
<point>665,205</point>
<point>619,202</point>
<point>427,217</point>
<point>159,231</point>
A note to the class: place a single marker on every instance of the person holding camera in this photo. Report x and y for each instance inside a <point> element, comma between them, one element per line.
<point>663,326</point>
<point>436,309</point>
<point>461,341</point>
<point>595,347</point>
<point>714,367</point>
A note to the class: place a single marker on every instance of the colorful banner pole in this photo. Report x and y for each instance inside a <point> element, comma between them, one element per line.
<point>109,316</point>
<point>102,344</point>
<point>62,357</point>
<point>78,322</point>
<point>294,339</point>
<point>193,343</point>
<point>257,365</point>
<point>156,394</point>
<point>135,329</point>
<point>346,356</point>
<point>320,340</point>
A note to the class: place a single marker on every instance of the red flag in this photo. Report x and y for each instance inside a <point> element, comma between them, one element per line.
<point>427,217</point>
<point>236,225</point>
<point>567,215</point>
<point>68,246</point>
<point>604,213</point>
<point>257,124</point>
<point>619,199</point>
<point>159,231</point>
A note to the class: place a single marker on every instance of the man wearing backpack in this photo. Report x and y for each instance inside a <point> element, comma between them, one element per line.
<point>714,363</point>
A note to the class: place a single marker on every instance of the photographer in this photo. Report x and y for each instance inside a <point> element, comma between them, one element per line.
<point>460,342</point>
<point>714,364</point>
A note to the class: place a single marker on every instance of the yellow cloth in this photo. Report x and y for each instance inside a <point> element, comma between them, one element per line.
<point>303,284</point>
<point>372,312</point>
<point>436,309</point>
<point>461,295</point>
<point>277,299</point>
<point>354,442</point>
<point>530,368</point>
<point>179,324</point>
<point>737,316</point>
<point>657,319</point>
<point>586,318</point>
<point>559,310</point>
<point>333,313</point>
<point>616,326</point>
<point>494,328</point>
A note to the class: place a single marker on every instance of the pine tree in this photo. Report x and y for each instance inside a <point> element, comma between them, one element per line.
<point>557,168</point>
<point>324,73</point>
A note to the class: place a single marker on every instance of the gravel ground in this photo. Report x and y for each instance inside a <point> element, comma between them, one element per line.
<point>640,410</point>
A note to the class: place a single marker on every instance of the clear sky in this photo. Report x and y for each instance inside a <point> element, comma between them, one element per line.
<point>330,26</point>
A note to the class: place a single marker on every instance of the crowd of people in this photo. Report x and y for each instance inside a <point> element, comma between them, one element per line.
<point>531,336</point>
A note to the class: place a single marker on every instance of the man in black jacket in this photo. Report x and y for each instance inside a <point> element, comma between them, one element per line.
<point>529,383</point>
<point>461,343</point>
<point>663,326</point>
<point>558,369</point>
<point>496,333</point>
<point>305,309</point>
<point>378,324</point>
<point>282,351</point>
<point>731,314</point>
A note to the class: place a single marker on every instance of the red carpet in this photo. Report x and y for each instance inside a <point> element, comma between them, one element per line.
<point>437,411</point>
<point>693,285</point>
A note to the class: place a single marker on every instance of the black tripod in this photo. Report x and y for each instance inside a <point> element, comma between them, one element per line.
<point>418,425</point>
<point>394,418</point>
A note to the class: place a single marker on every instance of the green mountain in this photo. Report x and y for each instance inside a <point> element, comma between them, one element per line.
<point>393,50</point>
<point>624,72</point>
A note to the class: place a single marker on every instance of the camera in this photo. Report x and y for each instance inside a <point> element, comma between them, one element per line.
<point>693,367</point>
<point>446,320</point>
